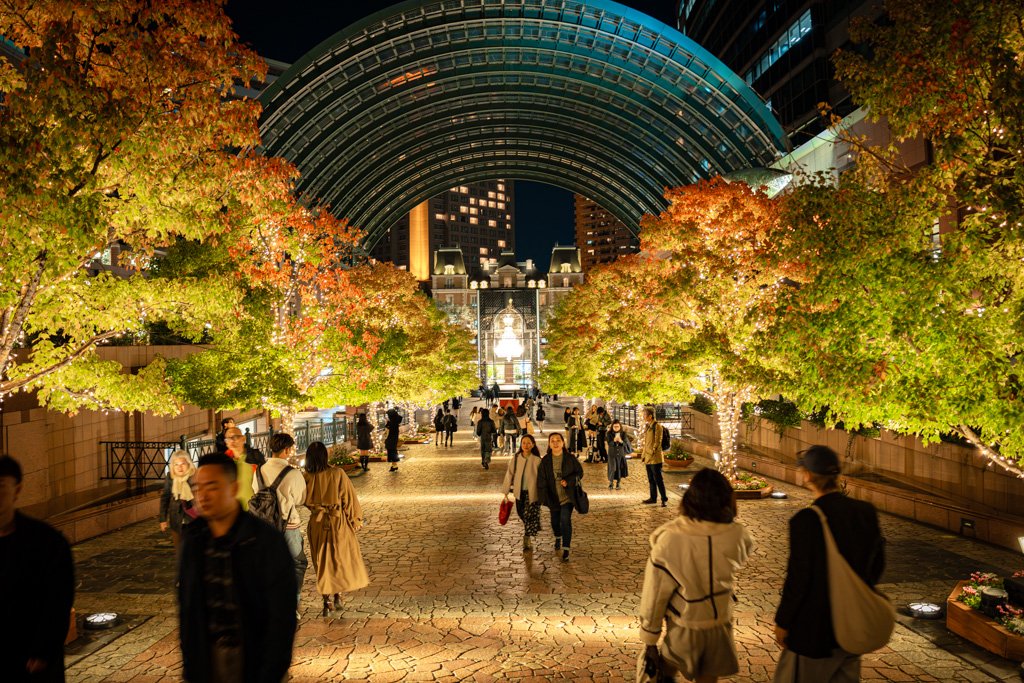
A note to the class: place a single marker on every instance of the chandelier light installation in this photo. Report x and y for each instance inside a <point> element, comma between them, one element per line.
<point>508,347</point>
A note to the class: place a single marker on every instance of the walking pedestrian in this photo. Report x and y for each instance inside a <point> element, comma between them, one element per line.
<point>176,508</point>
<point>691,573</point>
<point>37,578</point>
<point>577,433</point>
<point>474,415</point>
<point>497,413</point>
<point>486,429</point>
<point>246,459</point>
<point>521,482</point>
<point>653,458</point>
<point>566,418</point>
<point>803,621</point>
<point>618,447</point>
<point>590,423</point>
<point>364,440</point>
<point>334,518</point>
<point>391,439</point>
<point>291,493</point>
<point>540,418</point>
<point>557,477</point>
<point>237,587</point>
<point>451,425</point>
<point>510,430</point>
<point>525,424</point>
<point>438,426</point>
<point>604,420</point>
<point>225,424</point>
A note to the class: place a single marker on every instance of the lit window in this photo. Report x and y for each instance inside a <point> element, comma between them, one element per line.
<point>501,196</point>
<point>472,200</point>
<point>501,186</point>
<point>473,210</point>
<point>464,209</point>
<point>508,282</point>
<point>439,216</point>
<point>490,195</point>
<point>463,189</point>
<point>474,220</point>
<point>788,39</point>
<point>493,224</point>
<point>449,269</point>
<point>565,282</point>
<point>451,217</point>
<point>501,243</point>
<point>483,250</point>
<point>493,260</point>
<point>501,205</point>
<point>491,204</point>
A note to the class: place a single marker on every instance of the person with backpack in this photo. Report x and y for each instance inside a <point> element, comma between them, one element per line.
<point>438,426</point>
<point>689,583</point>
<point>278,490</point>
<point>451,425</point>
<point>334,518</point>
<point>510,429</point>
<point>653,457</point>
<point>486,429</point>
<point>540,418</point>
<point>812,648</point>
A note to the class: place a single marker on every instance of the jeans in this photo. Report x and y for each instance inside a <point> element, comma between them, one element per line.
<point>293,537</point>
<point>561,523</point>
<point>657,482</point>
<point>449,438</point>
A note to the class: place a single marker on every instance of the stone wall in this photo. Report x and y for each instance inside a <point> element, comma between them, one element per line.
<point>63,463</point>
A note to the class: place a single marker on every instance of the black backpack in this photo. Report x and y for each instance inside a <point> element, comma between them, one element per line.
<point>666,438</point>
<point>450,423</point>
<point>264,503</point>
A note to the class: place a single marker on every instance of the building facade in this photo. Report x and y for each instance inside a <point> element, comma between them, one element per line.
<point>782,49</point>
<point>506,304</point>
<point>600,236</point>
<point>478,218</point>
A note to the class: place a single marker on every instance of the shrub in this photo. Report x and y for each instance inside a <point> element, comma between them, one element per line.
<point>782,414</point>
<point>677,451</point>
<point>340,454</point>
<point>749,482</point>
<point>702,404</point>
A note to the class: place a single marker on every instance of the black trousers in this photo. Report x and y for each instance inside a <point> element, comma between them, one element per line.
<point>449,436</point>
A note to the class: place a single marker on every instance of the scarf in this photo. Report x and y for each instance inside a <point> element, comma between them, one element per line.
<point>181,489</point>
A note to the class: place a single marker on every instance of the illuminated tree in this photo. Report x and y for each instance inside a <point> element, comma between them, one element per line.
<point>886,325</point>
<point>115,127</point>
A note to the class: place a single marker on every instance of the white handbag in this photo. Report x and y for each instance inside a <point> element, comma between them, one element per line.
<point>863,619</point>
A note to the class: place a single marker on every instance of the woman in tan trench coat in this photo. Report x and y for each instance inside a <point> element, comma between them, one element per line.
<point>334,519</point>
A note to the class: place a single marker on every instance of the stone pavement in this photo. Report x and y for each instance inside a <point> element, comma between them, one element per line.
<point>454,598</point>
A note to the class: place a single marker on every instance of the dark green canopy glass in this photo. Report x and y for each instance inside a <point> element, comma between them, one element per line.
<point>593,97</point>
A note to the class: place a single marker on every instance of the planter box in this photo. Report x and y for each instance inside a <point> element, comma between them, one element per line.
<point>980,629</point>
<point>678,464</point>
<point>350,467</point>
<point>755,494</point>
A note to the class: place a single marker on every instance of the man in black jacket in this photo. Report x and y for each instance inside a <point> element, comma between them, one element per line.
<point>237,587</point>
<point>222,444</point>
<point>38,584</point>
<point>803,622</point>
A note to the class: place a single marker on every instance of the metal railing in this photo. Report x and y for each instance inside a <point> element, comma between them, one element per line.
<point>627,415</point>
<point>327,432</point>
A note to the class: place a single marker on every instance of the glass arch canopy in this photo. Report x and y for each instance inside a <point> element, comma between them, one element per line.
<point>593,97</point>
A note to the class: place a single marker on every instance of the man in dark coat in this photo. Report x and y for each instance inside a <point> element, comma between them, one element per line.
<point>38,584</point>
<point>237,587</point>
<point>803,622</point>
<point>225,424</point>
<point>391,438</point>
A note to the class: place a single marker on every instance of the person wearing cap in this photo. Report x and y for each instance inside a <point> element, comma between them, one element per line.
<point>803,621</point>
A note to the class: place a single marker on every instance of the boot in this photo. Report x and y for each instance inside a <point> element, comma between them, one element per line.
<point>558,543</point>
<point>327,607</point>
<point>527,544</point>
<point>337,601</point>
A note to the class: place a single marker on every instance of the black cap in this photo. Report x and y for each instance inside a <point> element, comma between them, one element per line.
<point>820,460</point>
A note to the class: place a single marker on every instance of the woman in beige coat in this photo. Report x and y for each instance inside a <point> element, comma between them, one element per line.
<point>521,482</point>
<point>334,519</point>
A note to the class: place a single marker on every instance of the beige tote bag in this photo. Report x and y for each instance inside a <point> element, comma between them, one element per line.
<point>862,618</point>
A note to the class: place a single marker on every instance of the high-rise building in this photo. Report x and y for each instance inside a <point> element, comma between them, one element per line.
<point>479,218</point>
<point>600,236</point>
<point>782,48</point>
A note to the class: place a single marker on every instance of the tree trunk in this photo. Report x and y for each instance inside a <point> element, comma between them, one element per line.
<point>728,411</point>
<point>288,419</point>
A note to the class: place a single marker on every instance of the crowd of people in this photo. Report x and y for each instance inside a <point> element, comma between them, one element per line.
<point>235,508</point>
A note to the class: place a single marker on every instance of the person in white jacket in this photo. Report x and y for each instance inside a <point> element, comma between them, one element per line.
<point>521,482</point>
<point>688,583</point>
<point>291,493</point>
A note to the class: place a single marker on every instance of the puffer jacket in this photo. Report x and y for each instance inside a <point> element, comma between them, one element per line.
<point>689,575</point>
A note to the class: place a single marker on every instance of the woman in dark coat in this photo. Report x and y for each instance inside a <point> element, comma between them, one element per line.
<point>486,429</point>
<point>391,440</point>
<point>438,426</point>
<point>577,432</point>
<point>364,440</point>
<point>176,498</point>
<point>557,491</point>
<point>618,448</point>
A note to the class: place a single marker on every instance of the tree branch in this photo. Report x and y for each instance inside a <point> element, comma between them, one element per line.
<point>10,387</point>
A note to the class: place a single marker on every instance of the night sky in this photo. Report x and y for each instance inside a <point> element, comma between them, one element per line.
<point>287,30</point>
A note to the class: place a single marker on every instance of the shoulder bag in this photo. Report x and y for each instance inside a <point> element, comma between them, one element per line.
<point>863,619</point>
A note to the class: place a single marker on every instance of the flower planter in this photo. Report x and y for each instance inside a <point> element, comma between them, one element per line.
<point>754,494</point>
<point>980,629</point>
<point>678,464</point>
<point>350,467</point>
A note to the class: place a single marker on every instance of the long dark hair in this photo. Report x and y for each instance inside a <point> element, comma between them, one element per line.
<point>484,415</point>
<point>316,457</point>
<point>534,450</point>
<point>710,498</point>
<point>361,419</point>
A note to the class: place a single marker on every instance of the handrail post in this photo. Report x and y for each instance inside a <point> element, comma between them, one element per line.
<point>181,442</point>
<point>248,440</point>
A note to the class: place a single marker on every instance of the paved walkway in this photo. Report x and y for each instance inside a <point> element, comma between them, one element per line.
<point>454,598</point>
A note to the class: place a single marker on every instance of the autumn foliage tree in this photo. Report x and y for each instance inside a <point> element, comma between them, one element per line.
<point>886,325</point>
<point>114,127</point>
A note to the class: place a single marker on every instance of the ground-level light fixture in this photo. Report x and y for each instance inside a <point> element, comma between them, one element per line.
<point>924,610</point>
<point>684,486</point>
<point>779,495</point>
<point>98,621</point>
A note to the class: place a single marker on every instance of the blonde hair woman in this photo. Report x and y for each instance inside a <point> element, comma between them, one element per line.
<point>176,508</point>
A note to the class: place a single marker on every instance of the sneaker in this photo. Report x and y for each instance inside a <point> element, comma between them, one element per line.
<point>649,501</point>
<point>610,485</point>
<point>664,503</point>
<point>565,556</point>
